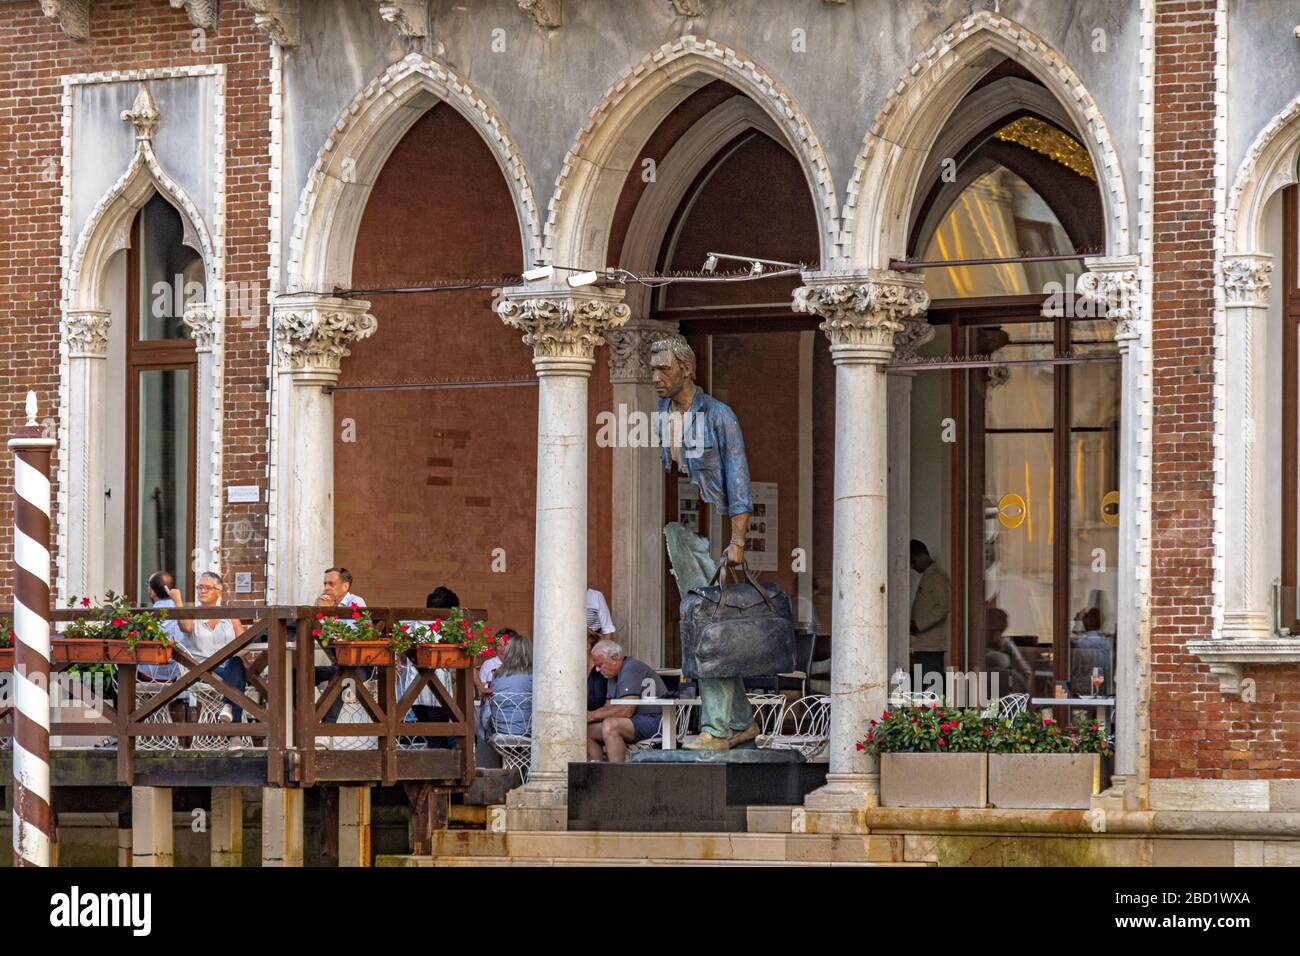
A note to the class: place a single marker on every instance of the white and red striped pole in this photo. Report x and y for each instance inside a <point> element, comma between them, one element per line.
<point>33,820</point>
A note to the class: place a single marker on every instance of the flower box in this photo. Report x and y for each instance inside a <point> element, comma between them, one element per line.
<point>1044,781</point>
<point>440,655</point>
<point>6,658</point>
<point>362,653</point>
<point>933,779</point>
<point>94,650</point>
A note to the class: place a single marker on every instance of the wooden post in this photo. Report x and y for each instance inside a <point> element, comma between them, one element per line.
<point>151,826</point>
<point>281,826</point>
<point>430,809</point>
<point>226,826</point>
<point>354,826</point>
<point>33,820</point>
<point>124,840</point>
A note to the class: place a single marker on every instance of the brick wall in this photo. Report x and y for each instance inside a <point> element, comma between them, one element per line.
<point>34,54</point>
<point>1195,731</point>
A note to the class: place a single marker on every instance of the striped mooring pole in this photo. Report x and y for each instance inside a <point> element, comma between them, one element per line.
<point>33,821</point>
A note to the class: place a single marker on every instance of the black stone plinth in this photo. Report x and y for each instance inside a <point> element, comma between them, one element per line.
<point>687,791</point>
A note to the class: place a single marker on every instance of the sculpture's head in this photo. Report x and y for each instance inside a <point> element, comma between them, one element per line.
<point>672,365</point>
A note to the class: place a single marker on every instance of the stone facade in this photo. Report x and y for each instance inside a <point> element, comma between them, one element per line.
<point>308,102</point>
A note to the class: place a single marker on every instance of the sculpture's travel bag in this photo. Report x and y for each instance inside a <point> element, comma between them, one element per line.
<point>741,629</point>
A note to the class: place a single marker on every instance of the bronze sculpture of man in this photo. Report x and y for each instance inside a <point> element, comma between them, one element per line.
<point>701,436</point>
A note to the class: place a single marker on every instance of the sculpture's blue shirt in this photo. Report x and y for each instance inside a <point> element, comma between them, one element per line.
<point>713,451</point>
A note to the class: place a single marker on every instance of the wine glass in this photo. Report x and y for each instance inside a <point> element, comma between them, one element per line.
<point>1097,680</point>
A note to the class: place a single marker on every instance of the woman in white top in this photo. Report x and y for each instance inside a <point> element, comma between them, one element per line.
<point>204,638</point>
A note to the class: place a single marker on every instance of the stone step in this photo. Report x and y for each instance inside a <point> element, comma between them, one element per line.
<point>681,848</point>
<point>495,861</point>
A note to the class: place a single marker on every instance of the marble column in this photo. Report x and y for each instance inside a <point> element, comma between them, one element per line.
<point>860,315</point>
<point>914,334</point>
<point>312,335</point>
<point>1247,593</point>
<point>1111,288</point>
<point>563,327</point>
<point>637,598</point>
<point>205,327</point>
<point>86,335</point>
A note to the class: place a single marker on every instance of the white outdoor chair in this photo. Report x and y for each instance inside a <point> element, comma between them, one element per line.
<point>1007,706</point>
<point>769,712</point>
<point>811,717</point>
<point>143,692</point>
<point>512,711</point>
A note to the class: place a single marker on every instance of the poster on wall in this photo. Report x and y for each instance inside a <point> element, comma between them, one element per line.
<point>688,505</point>
<point>761,540</point>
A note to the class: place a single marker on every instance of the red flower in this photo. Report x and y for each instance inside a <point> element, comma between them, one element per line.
<point>320,617</point>
<point>491,640</point>
<point>1046,721</point>
<point>885,715</point>
<point>935,705</point>
<point>985,731</point>
<point>942,742</point>
<point>315,632</point>
<point>356,615</point>
<point>437,624</point>
<point>873,723</point>
<point>85,602</point>
<point>1096,727</point>
<point>859,744</point>
<point>405,629</point>
<point>135,633</point>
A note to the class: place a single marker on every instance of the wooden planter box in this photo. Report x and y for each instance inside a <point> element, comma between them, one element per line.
<point>934,780</point>
<point>440,655</point>
<point>1044,781</point>
<point>6,658</point>
<point>94,650</point>
<point>361,653</point>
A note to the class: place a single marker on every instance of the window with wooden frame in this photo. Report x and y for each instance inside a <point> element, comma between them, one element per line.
<point>163,275</point>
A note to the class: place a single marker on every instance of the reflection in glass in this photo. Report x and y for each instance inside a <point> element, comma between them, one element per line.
<point>163,493</point>
<point>171,273</point>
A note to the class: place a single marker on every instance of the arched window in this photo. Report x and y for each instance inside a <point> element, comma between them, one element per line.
<point>163,276</point>
<point>1015,419</point>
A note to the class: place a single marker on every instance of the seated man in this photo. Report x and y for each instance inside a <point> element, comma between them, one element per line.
<point>615,725</point>
<point>1088,651</point>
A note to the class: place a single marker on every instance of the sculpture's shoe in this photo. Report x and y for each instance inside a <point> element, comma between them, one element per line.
<point>707,742</point>
<point>740,737</point>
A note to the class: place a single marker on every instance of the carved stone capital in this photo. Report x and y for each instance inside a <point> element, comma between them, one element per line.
<point>202,13</point>
<point>143,115</point>
<point>312,337</point>
<point>411,17</point>
<point>201,319</point>
<point>1245,279</point>
<point>1110,287</point>
<point>86,332</point>
<point>73,16</point>
<point>545,13</point>
<point>629,350</point>
<point>563,324</point>
<point>688,8</point>
<point>862,314</point>
<point>914,334</point>
<point>278,19</point>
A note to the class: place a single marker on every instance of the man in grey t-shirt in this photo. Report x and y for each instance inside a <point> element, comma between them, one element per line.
<point>612,727</point>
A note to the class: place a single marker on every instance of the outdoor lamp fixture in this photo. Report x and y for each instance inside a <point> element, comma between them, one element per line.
<point>756,265</point>
<point>581,279</point>
<point>539,274</point>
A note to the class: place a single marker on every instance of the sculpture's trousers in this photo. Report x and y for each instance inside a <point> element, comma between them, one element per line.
<point>724,708</point>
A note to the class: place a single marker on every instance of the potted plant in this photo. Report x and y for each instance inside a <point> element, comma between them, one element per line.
<point>449,642</point>
<point>7,638</point>
<point>1037,763</point>
<point>930,756</point>
<point>121,635</point>
<point>357,641</point>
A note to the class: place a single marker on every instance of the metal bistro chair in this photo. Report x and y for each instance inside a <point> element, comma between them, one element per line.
<point>811,716</point>
<point>513,712</point>
<point>1008,706</point>
<point>769,712</point>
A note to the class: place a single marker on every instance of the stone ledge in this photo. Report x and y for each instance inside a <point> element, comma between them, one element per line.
<point>1228,659</point>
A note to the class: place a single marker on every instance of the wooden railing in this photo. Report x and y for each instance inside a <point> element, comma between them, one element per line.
<point>280,659</point>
